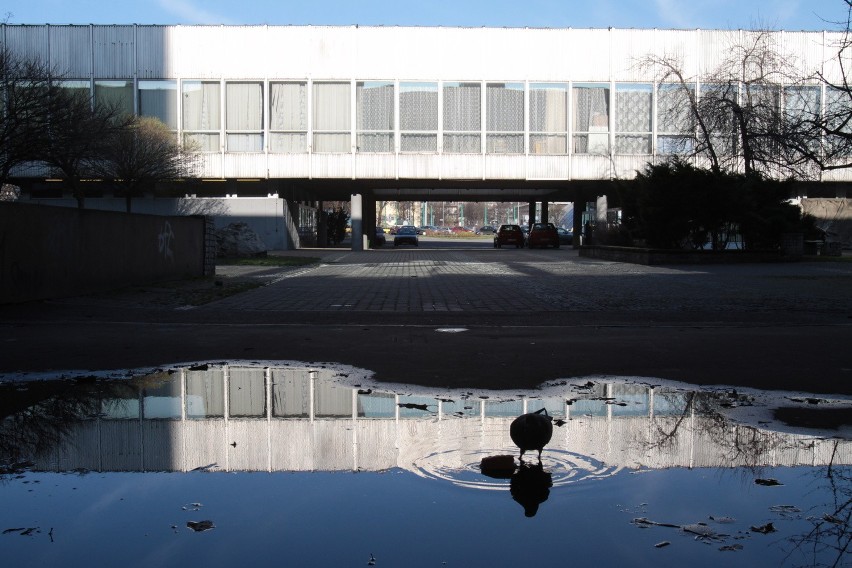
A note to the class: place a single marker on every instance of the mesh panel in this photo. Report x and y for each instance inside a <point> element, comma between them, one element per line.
<point>633,144</point>
<point>374,106</point>
<point>504,107</point>
<point>418,109</point>
<point>462,144</point>
<point>462,104</point>
<point>633,109</point>
<point>419,143</point>
<point>375,142</point>
<point>675,144</point>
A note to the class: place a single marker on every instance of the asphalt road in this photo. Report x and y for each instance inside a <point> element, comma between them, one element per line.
<point>519,318</point>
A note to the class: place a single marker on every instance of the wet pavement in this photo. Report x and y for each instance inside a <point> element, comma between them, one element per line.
<point>529,316</point>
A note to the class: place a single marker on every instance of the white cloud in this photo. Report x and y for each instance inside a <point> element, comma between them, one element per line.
<point>188,12</point>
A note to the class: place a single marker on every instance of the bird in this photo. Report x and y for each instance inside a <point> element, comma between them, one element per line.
<point>532,431</point>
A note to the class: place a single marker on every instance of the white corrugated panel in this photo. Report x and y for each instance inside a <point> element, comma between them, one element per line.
<point>505,166</point>
<point>245,165</point>
<point>376,166</point>
<point>386,53</point>
<point>679,46</point>
<point>714,49</point>
<point>331,165</point>
<point>252,438</point>
<point>419,166</point>
<point>287,55</point>
<point>204,444</point>
<point>548,167</point>
<point>292,445</point>
<point>832,69</point>
<point>333,446</point>
<point>289,165</point>
<point>210,165</point>
<point>199,51</point>
<point>589,51</point>
<point>28,42</point>
<point>376,447</point>
<point>630,48</point>
<point>805,51</point>
<point>114,52</point>
<point>626,166</point>
<point>462,166</point>
<point>587,166</point>
<point>329,52</point>
<point>71,52</point>
<point>247,52</point>
<point>120,445</point>
<point>162,445</point>
<point>155,52</point>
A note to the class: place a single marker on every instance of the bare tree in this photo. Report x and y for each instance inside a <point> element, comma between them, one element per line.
<point>141,153</point>
<point>754,113</point>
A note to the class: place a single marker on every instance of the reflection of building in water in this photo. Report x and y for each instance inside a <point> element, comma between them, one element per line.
<point>282,419</point>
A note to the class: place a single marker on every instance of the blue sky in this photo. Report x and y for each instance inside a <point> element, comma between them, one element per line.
<point>706,14</point>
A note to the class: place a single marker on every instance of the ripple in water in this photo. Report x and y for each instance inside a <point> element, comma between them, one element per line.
<point>565,468</point>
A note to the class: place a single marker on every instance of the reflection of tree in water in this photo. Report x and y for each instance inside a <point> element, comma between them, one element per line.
<point>702,411</point>
<point>36,416</point>
<point>830,533</point>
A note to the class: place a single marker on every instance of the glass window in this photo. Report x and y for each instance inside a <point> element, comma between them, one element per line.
<point>504,118</point>
<point>288,117</point>
<point>462,118</point>
<point>202,114</point>
<point>548,116</point>
<point>633,118</point>
<point>418,117</point>
<point>591,118</point>
<point>332,114</point>
<point>247,393</point>
<point>374,119</point>
<point>838,108</point>
<point>118,94</point>
<point>159,99</point>
<point>79,87</point>
<point>244,117</point>
<point>675,119</point>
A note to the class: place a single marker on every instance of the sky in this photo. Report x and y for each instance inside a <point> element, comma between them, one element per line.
<point>680,14</point>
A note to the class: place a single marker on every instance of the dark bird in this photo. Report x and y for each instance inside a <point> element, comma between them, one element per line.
<point>532,431</point>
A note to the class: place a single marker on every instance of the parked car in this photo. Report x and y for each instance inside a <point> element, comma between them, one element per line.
<point>380,238</point>
<point>406,235</point>
<point>509,235</point>
<point>566,237</point>
<point>543,235</point>
<point>486,230</point>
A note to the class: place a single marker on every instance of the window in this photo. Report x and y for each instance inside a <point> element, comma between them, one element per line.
<point>244,117</point>
<point>158,99</point>
<point>675,121</point>
<point>202,114</point>
<point>633,119</point>
<point>418,117</point>
<point>548,117</point>
<point>288,117</point>
<point>374,119</point>
<point>76,87</point>
<point>838,108</point>
<point>504,118</point>
<point>462,118</point>
<point>591,118</point>
<point>332,113</point>
<point>118,94</point>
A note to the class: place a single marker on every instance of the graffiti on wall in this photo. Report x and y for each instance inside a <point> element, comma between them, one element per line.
<point>165,240</point>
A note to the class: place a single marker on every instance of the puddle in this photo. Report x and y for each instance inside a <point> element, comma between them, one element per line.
<point>314,465</point>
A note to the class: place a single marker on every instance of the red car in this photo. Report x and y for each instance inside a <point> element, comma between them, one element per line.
<point>543,235</point>
<point>509,235</point>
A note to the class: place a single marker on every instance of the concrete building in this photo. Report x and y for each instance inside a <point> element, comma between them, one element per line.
<point>293,116</point>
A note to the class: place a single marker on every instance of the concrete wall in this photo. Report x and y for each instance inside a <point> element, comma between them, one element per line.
<point>834,216</point>
<point>266,216</point>
<point>50,252</point>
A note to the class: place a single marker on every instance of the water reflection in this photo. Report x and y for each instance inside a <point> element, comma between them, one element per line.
<point>233,418</point>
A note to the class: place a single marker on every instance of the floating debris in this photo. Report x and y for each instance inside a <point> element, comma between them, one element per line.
<point>723,520</point>
<point>413,405</point>
<point>662,544</point>
<point>372,561</point>
<point>200,526</point>
<point>731,547</point>
<point>764,529</point>
<point>769,482</point>
<point>24,531</point>
<point>785,510</point>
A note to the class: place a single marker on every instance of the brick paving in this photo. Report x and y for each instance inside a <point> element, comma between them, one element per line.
<point>481,279</point>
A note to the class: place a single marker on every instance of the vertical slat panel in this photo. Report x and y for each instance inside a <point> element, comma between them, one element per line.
<point>114,48</point>
<point>71,51</point>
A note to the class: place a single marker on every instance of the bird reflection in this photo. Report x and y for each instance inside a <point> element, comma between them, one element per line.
<point>532,431</point>
<point>530,486</point>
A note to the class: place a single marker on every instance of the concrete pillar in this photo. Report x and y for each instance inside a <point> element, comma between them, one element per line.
<point>322,226</point>
<point>531,209</point>
<point>579,208</point>
<point>357,221</point>
<point>369,207</point>
<point>544,211</point>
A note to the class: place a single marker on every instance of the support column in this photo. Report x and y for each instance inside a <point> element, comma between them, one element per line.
<point>531,209</point>
<point>369,209</point>
<point>544,211</point>
<point>322,226</point>
<point>579,209</point>
<point>357,221</point>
